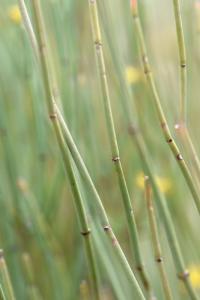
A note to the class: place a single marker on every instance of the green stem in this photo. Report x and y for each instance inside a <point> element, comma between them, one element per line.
<point>161,116</point>
<point>182,125</point>
<point>54,112</point>
<point>2,294</point>
<point>28,27</point>
<point>32,289</point>
<point>65,153</point>
<point>182,61</point>
<point>182,273</point>
<point>160,200</point>
<point>155,240</point>
<point>114,145</point>
<point>104,219</point>
<point>192,151</point>
<point>5,278</point>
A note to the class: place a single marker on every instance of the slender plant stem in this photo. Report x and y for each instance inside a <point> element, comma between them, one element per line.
<point>161,205</point>
<point>133,234</point>
<point>2,295</point>
<point>155,240</point>
<point>28,27</point>
<point>182,128</point>
<point>56,115</point>
<point>85,231</point>
<point>182,61</point>
<point>194,156</point>
<point>5,278</point>
<point>161,116</point>
<point>32,290</point>
<point>182,272</point>
<point>104,219</point>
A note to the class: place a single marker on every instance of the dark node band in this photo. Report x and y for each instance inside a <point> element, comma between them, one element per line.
<point>116,158</point>
<point>159,259</point>
<point>52,116</point>
<point>184,275</point>
<point>179,157</point>
<point>84,233</point>
<point>169,141</point>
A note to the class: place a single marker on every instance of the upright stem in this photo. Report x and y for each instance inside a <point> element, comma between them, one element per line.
<point>56,115</point>
<point>104,219</point>
<point>182,127</point>
<point>96,30</point>
<point>161,204</point>
<point>5,278</point>
<point>28,27</point>
<point>161,116</point>
<point>32,289</point>
<point>155,240</point>
<point>182,61</point>
<point>2,294</point>
<point>85,231</point>
<point>192,150</point>
<point>182,272</point>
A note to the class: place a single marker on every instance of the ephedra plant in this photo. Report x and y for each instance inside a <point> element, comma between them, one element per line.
<point>71,227</point>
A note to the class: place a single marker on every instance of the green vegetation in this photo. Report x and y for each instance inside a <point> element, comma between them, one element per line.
<point>93,96</point>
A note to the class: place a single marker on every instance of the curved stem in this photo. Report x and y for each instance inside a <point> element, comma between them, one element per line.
<point>133,234</point>
<point>5,278</point>
<point>161,204</point>
<point>182,273</point>
<point>155,240</point>
<point>28,27</point>
<point>182,127</point>
<point>104,219</point>
<point>85,231</point>
<point>160,113</point>
<point>182,61</point>
<point>56,117</point>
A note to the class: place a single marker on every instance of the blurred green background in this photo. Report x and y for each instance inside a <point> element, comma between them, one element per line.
<point>39,231</point>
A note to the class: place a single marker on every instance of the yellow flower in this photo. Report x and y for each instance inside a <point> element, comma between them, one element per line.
<point>84,290</point>
<point>140,180</point>
<point>163,183</point>
<point>195,275</point>
<point>132,74</point>
<point>14,14</point>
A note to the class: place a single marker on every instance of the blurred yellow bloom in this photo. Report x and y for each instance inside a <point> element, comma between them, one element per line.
<point>132,75</point>
<point>195,275</point>
<point>140,180</point>
<point>14,14</point>
<point>84,290</point>
<point>163,183</point>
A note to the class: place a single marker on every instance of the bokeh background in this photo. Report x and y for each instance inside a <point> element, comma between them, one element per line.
<point>39,231</point>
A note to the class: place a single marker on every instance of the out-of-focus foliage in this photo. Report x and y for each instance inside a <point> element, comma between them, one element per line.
<point>39,231</point>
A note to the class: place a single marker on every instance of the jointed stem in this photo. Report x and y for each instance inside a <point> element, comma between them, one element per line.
<point>161,116</point>
<point>182,124</point>
<point>65,153</point>
<point>182,61</point>
<point>155,240</point>
<point>104,219</point>
<point>182,273</point>
<point>85,230</point>
<point>58,121</point>
<point>160,200</point>
<point>113,143</point>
